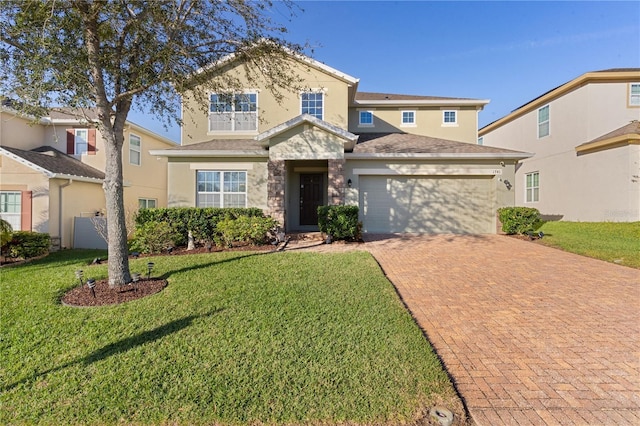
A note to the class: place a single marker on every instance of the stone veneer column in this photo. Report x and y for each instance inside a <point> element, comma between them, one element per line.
<point>276,187</point>
<point>336,182</point>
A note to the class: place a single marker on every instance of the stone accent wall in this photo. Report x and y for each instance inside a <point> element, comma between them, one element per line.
<point>276,188</point>
<point>336,182</point>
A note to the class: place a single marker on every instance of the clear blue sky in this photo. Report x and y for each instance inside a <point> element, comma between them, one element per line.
<point>508,52</point>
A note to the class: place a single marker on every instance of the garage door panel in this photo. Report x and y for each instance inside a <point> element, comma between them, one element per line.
<point>426,204</point>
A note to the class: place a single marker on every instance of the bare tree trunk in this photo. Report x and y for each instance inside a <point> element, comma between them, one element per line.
<point>118,260</point>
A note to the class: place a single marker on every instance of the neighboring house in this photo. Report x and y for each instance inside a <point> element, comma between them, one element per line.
<point>410,163</point>
<point>52,172</point>
<point>586,139</point>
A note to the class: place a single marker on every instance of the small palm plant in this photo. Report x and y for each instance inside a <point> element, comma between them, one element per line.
<point>5,232</point>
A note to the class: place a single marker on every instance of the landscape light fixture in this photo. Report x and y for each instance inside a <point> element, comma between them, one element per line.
<point>149,269</point>
<point>91,283</point>
<point>79,274</point>
<point>136,279</point>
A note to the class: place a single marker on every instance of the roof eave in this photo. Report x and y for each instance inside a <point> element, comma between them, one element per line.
<point>76,178</point>
<point>440,156</point>
<point>423,102</point>
<point>209,153</point>
<point>628,139</point>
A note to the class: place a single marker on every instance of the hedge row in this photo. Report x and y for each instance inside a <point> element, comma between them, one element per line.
<point>25,244</point>
<point>340,222</point>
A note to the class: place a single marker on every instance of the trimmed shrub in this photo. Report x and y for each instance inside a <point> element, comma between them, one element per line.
<point>246,229</point>
<point>201,221</point>
<point>153,237</point>
<point>26,244</point>
<point>340,222</point>
<point>519,220</point>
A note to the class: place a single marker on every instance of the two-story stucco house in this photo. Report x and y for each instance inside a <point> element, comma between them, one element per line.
<point>411,163</point>
<point>586,139</point>
<point>52,172</point>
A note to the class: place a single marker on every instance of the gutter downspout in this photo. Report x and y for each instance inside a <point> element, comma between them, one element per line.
<point>60,188</point>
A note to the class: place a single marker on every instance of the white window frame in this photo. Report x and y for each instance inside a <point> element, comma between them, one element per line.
<point>634,98</point>
<point>14,218</point>
<point>363,124</point>
<point>481,140</point>
<point>532,188</point>
<point>544,124</point>
<point>77,147</point>
<point>409,113</point>
<point>137,150</point>
<point>444,117</point>
<point>303,107</point>
<point>225,188</point>
<point>143,203</point>
<point>235,111</point>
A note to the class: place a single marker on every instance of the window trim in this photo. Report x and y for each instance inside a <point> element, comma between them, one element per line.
<point>446,123</point>
<point>75,141</point>
<point>312,92</point>
<point>408,124</point>
<point>13,217</point>
<point>360,123</point>
<point>547,121</point>
<point>630,95</point>
<point>139,150</point>
<point>535,196</point>
<point>481,140</point>
<point>233,113</point>
<point>222,192</point>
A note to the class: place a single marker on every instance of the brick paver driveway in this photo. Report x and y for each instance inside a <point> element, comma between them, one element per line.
<point>530,334</point>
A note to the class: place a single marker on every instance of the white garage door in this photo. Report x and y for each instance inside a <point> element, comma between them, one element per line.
<point>459,204</point>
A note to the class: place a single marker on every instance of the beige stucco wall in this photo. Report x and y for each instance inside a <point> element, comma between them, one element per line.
<point>306,142</point>
<point>429,122</point>
<point>19,132</point>
<point>270,111</point>
<point>182,178</point>
<point>498,172</point>
<point>594,187</point>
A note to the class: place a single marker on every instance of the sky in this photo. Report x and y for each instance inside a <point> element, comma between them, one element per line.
<point>508,52</point>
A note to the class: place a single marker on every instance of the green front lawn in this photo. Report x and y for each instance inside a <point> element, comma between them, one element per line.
<point>609,241</point>
<point>236,338</point>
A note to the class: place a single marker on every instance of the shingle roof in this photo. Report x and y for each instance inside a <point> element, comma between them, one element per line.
<point>222,145</point>
<point>371,96</point>
<point>56,162</point>
<point>405,143</point>
<point>633,128</point>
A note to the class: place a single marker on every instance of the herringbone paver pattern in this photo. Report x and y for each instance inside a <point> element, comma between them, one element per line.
<point>531,335</point>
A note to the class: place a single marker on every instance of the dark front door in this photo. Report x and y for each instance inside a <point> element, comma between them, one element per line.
<point>311,196</point>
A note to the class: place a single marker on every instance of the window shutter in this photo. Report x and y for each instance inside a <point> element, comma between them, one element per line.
<point>91,142</point>
<point>71,141</point>
<point>25,210</point>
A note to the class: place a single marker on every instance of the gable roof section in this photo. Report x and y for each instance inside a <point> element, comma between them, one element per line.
<point>625,135</point>
<point>389,99</point>
<point>54,164</point>
<point>216,148</point>
<point>603,76</point>
<point>406,145</point>
<point>349,138</point>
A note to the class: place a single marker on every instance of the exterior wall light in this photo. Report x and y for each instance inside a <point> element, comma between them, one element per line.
<point>349,183</point>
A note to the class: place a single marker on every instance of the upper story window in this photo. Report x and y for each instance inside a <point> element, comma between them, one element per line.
<point>135,146</point>
<point>481,140</point>
<point>450,117</point>
<point>233,113</point>
<point>532,186</point>
<point>543,121</point>
<point>313,104</point>
<point>147,203</point>
<point>634,94</point>
<point>365,118</point>
<point>81,141</point>
<point>408,118</point>
<point>221,189</point>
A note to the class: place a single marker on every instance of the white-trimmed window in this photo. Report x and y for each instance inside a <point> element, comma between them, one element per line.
<point>221,188</point>
<point>449,117</point>
<point>634,94</point>
<point>365,118</point>
<point>81,142</point>
<point>532,186</point>
<point>312,103</point>
<point>10,208</point>
<point>408,118</point>
<point>481,140</point>
<point>543,121</point>
<point>233,113</point>
<point>135,149</point>
<point>147,203</point>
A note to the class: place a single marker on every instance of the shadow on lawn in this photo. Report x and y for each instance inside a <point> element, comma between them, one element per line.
<point>168,274</point>
<point>119,347</point>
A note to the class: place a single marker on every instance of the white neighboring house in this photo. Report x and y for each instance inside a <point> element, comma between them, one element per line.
<point>586,138</point>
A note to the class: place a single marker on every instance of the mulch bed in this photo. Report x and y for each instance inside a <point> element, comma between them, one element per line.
<point>82,295</point>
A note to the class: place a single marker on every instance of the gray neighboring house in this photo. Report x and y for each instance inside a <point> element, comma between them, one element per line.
<point>586,138</point>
